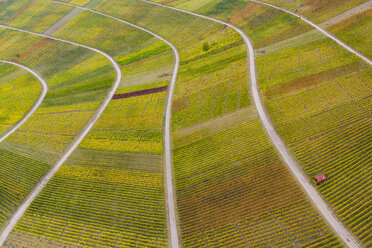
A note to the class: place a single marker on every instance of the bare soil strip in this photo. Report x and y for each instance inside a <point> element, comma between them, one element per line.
<point>33,49</point>
<point>140,93</point>
<point>347,14</point>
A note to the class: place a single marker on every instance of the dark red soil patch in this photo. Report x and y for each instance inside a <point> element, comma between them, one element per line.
<point>140,93</point>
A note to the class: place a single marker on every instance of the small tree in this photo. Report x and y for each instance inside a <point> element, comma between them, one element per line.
<point>205,46</point>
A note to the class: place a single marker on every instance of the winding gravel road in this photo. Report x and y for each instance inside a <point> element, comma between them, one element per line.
<point>39,100</point>
<point>172,221</point>
<point>79,137</point>
<point>274,136</point>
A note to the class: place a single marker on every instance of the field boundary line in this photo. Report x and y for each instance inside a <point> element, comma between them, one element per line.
<point>79,137</point>
<point>325,32</point>
<point>39,100</point>
<point>312,193</point>
<point>170,192</point>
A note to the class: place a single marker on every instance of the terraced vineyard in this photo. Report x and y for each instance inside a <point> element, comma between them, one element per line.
<point>317,113</point>
<point>19,91</point>
<point>114,175</point>
<point>318,96</point>
<point>232,188</point>
<point>212,110</point>
<point>332,121</point>
<point>29,152</point>
<point>348,20</point>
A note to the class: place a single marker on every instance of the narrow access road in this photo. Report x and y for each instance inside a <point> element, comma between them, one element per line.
<point>79,137</point>
<point>39,100</point>
<point>276,140</point>
<point>341,43</point>
<point>172,220</point>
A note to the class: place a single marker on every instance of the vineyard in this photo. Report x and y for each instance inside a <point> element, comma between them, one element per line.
<point>318,96</point>
<point>20,91</point>
<point>29,152</point>
<point>232,189</point>
<point>324,117</point>
<point>129,133</point>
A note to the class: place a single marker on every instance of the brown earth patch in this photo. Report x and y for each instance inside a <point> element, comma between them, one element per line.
<point>247,11</point>
<point>179,104</point>
<point>34,48</point>
<point>308,81</point>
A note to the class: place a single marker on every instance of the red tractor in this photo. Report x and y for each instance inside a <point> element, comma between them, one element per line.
<point>320,179</point>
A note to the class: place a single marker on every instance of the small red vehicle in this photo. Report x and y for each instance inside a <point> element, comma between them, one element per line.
<point>320,179</point>
<point>164,74</point>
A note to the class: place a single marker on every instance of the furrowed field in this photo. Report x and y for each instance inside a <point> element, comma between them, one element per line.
<point>318,96</point>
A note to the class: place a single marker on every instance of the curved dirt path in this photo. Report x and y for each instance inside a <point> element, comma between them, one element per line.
<point>79,137</point>
<point>172,220</point>
<point>276,140</point>
<point>341,43</point>
<point>39,100</point>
